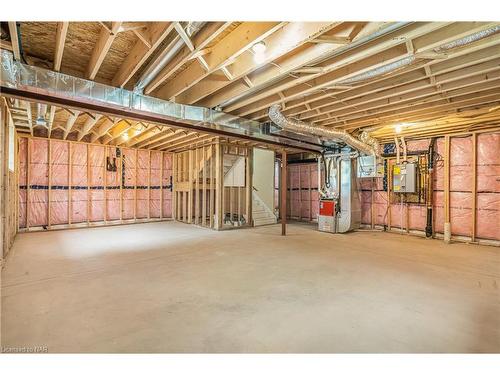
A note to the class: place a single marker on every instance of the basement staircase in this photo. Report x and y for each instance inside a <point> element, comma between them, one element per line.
<point>261,214</point>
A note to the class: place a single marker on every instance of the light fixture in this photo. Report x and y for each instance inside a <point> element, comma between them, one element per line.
<point>259,47</point>
<point>259,58</point>
<point>398,128</point>
<point>259,50</point>
<point>125,136</point>
<point>137,131</point>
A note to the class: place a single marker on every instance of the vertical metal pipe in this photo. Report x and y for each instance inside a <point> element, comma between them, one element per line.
<point>430,169</point>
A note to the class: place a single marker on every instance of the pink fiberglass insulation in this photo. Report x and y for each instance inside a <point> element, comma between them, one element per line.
<point>461,164</point>
<point>155,183</point>
<point>365,198</point>
<point>94,192</point>
<point>112,186</point>
<point>438,181</point>
<point>23,167</point>
<point>438,211</point>
<point>97,168</point>
<point>128,194</point>
<point>302,194</point>
<point>142,184</point>
<point>417,217</point>
<point>380,208</point>
<point>167,185</point>
<point>380,212</point>
<point>461,213</point>
<point>38,181</point>
<point>488,216</point>
<point>488,163</point>
<point>59,182</point>
<point>461,186</point>
<point>79,183</point>
<point>488,186</point>
<point>417,145</point>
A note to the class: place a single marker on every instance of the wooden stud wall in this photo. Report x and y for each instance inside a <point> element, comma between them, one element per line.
<point>88,222</point>
<point>8,186</point>
<point>199,191</point>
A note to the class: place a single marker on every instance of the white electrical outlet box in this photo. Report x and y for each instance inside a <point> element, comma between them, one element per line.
<point>404,178</point>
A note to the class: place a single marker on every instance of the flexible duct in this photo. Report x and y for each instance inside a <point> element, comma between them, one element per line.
<point>167,55</point>
<point>384,69</point>
<point>368,145</point>
<point>468,39</point>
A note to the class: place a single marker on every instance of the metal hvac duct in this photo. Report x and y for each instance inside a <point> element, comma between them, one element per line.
<point>46,86</point>
<point>165,57</point>
<point>41,112</point>
<point>367,145</point>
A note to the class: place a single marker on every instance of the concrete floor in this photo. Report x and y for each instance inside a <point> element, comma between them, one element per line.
<point>170,287</point>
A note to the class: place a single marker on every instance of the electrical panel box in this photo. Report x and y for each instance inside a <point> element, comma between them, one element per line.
<point>370,166</point>
<point>404,178</point>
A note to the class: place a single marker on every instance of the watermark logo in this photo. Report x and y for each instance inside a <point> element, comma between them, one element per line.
<point>24,349</point>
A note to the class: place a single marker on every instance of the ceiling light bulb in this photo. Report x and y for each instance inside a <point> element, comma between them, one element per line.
<point>398,128</point>
<point>259,58</point>
<point>125,136</point>
<point>259,47</point>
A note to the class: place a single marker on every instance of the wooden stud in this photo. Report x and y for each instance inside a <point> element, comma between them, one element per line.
<point>135,184</point>
<point>474,187</point>
<point>309,193</point>
<point>174,188</point>
<point>447,179</point>
<point>120,182</point>
<point>212,193</point>
<point>70,182</point>
<point>28,189</point>
<point>185,206</point>
<point>192,173</point>
<point>219,186</point>
<point>197,187</point>
<point>231,197</point>
<point>289,194</point>
<point>88,184</point>
<point>389,187</point>
<point>161,183</point>
<point>407,218</point>
<point>105,183</point>
<point>149,185</point>
<point>300,193</point>
<point>283,191</point>
<point>49,203</point>
<point>249,187</point>
<point>372,216</point>
<point>204,188</point>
